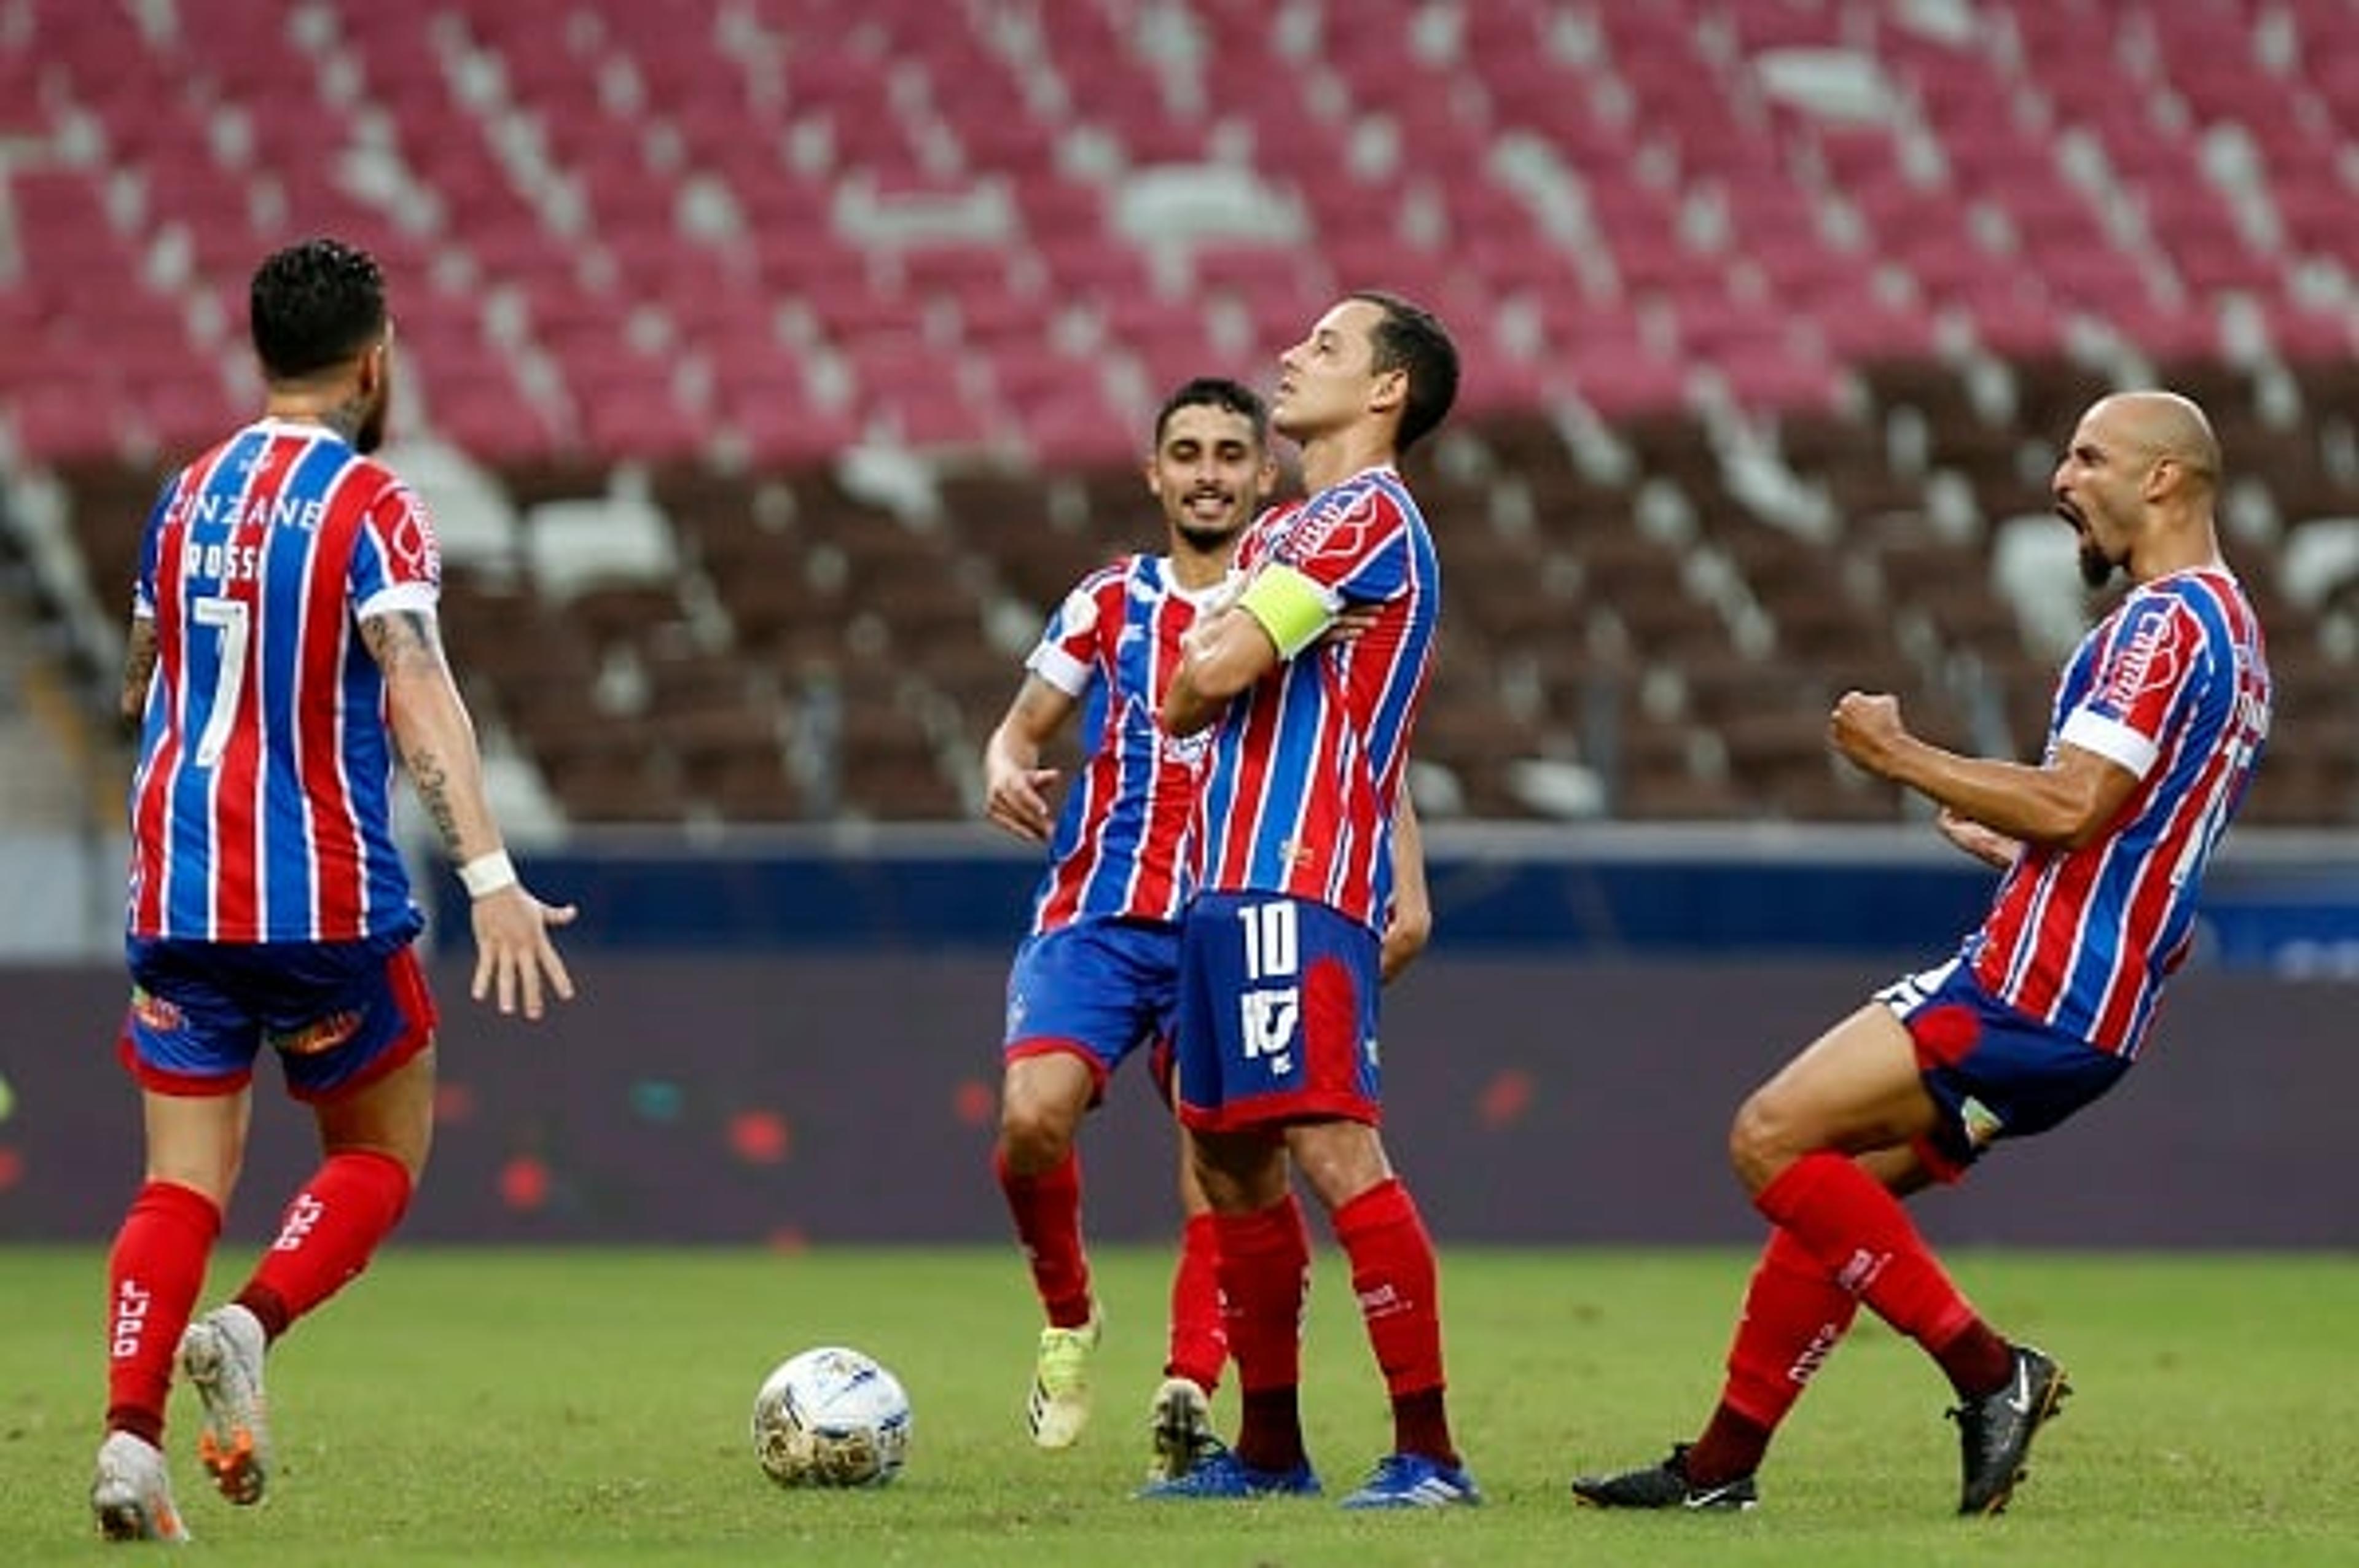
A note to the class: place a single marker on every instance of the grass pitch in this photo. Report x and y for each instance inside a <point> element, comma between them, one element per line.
<point>583,1407</point>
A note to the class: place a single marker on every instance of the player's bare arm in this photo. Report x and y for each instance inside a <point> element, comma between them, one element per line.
<point>2066,800</point>
<point>1015,784</point>
<point>138,667</point>
<point>1409,923</point>
<point>513,955</point>
<point>1278,614</point>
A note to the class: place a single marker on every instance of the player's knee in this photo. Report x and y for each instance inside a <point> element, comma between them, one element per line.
<point>1035,1136</point>
<point>1760,1142</point>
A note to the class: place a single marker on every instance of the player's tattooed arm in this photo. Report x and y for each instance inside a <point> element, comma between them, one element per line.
<point>408,646</point>
<point>403,640</point>
<point>516,963</point>
<point>139,668</point>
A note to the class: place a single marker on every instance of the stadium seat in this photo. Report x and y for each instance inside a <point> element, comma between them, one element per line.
<point>626,234</point>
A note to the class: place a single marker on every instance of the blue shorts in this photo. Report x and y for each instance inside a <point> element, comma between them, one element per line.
<point>338,1014</point>
<point>1277,1014</point>
<point>1994,1072</point>
<point>1098,990</point>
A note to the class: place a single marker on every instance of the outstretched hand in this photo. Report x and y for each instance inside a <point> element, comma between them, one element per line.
<point>514,956</point>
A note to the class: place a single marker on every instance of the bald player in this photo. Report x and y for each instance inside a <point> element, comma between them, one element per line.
<point>2157,720</point>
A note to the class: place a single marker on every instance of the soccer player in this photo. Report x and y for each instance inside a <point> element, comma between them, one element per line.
<point>2157,719</point>
<point>1307,738</point>
<point>1096,976</point>
<point>283,655</point>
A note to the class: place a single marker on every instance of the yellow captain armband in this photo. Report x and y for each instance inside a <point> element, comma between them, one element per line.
<point>1291,607</point>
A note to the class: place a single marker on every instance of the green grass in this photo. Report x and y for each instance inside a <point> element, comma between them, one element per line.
<point>568,1407</point>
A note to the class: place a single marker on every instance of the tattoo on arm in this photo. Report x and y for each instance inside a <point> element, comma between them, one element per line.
<point>139,668</point>
<point>403,641</point>
<point>433,786</point>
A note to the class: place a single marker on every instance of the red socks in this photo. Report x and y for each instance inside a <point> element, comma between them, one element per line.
<point>1048,1212</point>
<point>327,1235</point>
<point>1265,1275</point>
<point>1794,1315</point>
<point>1844,1218</point>
<point>1200,1346</point>
<point>1398,1286</point>
<point>152,1279</point>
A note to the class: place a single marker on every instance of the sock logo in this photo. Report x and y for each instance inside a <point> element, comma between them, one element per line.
<point>1381,1301</point>
<point>1858,1276</point>
<point>1814,1355</point>
<point>301,1215</point>
<point>131,1301</point>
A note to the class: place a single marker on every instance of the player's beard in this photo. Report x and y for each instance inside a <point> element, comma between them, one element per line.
<point>1208,541</point>
<point>370,433</point>
<point>2096,566</point>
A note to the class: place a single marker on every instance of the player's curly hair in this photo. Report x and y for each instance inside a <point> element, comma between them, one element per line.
<point>1411,337</point>
<point>315,305</point>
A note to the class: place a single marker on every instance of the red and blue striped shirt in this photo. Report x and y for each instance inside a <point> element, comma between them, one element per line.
<point>1306,767</point>
<point>2174,685</point>
<point>1118,851</point>
<point>261,804</point>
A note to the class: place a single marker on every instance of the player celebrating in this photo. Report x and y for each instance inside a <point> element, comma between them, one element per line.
<point>282,652</point>
<point>1309,740</point>
<point>2159,719</point>
<point>1096,976</point>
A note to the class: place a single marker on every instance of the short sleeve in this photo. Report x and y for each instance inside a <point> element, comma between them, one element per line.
<point>396,563</point>
<point>2147,667</point>
<point>1350,541</point>
<point>1067,651</point>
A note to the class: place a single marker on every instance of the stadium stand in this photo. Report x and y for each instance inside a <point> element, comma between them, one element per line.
<point>774,363</point>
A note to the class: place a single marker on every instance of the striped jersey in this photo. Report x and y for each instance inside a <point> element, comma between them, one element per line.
<point>261,803</point>
<point>1306,767</point>
<point>2174,685</point>
<point>1118,848</point>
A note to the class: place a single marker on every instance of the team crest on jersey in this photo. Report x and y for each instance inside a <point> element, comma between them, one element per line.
<point>320,1034</point>
<point>155,1013</point>
<point>413,542</point>
<point>1338,527</point>
<point>2149,657</point>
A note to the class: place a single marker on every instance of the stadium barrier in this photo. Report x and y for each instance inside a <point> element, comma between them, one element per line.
<point>846,1097</point>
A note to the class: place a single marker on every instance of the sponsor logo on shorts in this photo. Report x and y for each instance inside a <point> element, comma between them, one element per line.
<point>320,1034</point>
<point>154,1012</point>
<point>1981,1123</point>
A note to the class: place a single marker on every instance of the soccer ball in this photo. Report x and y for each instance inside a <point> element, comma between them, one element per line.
<point>832,1417</point>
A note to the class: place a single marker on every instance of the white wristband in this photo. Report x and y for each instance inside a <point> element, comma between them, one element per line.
<point>488,873</point>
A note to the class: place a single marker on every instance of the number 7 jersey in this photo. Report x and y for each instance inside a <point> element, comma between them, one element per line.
<point>261,804</point>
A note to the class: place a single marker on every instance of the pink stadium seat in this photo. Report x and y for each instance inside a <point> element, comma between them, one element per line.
<point>1053,342</point>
